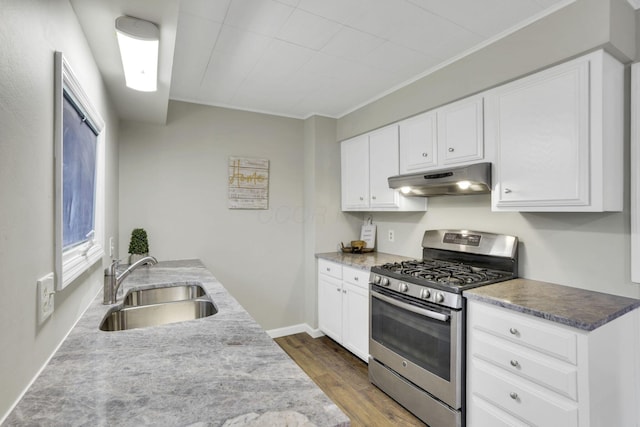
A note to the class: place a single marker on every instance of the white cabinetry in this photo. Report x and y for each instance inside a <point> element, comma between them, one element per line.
<point>523,370</point>
<point>449,135</point>
<point>635,173</point>
<point>343,306</point>
<point>367,161</point>
<point>558,136</point>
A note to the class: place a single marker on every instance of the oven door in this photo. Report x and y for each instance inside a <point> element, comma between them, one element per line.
<point>420,341</point>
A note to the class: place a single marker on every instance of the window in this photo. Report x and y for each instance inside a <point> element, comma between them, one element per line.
<point>79,150</point>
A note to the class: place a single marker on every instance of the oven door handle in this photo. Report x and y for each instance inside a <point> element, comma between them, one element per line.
<point>417,310</point>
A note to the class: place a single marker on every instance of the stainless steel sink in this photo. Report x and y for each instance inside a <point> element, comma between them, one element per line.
<point>169,293</point>
<point>123,318</point>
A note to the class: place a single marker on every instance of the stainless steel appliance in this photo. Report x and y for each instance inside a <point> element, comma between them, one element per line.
<point>417,321</point>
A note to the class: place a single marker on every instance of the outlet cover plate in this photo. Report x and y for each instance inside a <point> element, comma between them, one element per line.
<point>45,289</point>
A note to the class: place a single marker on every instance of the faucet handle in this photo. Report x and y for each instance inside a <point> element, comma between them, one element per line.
<point>111,270</point>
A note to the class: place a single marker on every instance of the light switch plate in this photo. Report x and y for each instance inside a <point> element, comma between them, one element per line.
<point>45,289</point>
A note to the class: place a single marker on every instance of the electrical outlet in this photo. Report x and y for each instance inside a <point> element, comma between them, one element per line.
<point>391,236</point>
<point>45,297</point>
<point>111,247</point>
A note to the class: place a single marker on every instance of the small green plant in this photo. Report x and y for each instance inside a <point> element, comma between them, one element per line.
<point>139,243</point>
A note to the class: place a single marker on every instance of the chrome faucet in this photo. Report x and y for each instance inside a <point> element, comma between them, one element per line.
<point>113,280</point>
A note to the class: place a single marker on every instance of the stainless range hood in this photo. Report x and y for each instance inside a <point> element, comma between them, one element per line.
<point>471,179</point>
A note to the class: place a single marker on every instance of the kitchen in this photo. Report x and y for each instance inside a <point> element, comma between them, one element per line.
<point>157,168</point>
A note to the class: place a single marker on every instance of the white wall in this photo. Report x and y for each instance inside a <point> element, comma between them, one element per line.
<point>30,32</point>
<point>173,183</point>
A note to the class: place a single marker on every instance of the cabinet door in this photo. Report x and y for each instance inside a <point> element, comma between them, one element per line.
<point>461,131</point>
<point>418,148</point>
<point>330,306</point>
<point>355,318</point>
<point>540,125</point>
<point>383,163</point>
<point>355,173</point>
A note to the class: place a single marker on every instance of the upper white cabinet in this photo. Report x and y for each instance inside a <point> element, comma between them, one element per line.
<point>355,173</point>
<point>449,135</point>
<point>460,131</point>
<point>558,137</point>
<point>419,143</point>
<point>367,162</point>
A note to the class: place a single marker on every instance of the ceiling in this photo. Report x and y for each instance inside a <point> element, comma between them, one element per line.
<point>295,58</point>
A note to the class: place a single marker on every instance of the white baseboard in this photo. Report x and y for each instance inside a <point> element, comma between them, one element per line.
<point>295,329</point>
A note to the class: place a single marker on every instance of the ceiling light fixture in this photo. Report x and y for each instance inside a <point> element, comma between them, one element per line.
<point>138,40</point>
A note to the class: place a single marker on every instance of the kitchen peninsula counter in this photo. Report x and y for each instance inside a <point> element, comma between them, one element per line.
<point>578,308</point>
<point>215,371</point>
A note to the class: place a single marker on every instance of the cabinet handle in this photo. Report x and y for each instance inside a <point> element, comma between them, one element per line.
<point>507,190</point>
<point>451,150</point>
<point>373,197</point>
<point>356,278</point>
<point>344,291</point>
<point>425,154</point>
<point>338,289</point>
<point>513,331</point>
<point>513,395</point>
<point>361,198</point>
<point>328,269</point>
<point>514,363</point>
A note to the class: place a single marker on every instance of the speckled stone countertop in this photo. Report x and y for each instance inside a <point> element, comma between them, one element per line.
<point>364,261</point>
<point>578,308</point>
<point>222,370</point>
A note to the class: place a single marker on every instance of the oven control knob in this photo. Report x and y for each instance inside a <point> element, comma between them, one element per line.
<point>403,287</point>
<point>439,297</point>
<point>425,294</point>
<point>377,279</point>
<point>385,281</point>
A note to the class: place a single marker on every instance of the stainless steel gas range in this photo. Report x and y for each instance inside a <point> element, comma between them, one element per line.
<point>417,320</point>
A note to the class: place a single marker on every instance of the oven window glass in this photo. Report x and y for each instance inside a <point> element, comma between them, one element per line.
<point>419,339</point>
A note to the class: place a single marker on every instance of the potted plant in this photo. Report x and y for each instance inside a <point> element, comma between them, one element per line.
<point>139,245</point>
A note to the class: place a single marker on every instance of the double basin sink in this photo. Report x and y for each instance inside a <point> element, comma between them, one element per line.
<point>156,306</point>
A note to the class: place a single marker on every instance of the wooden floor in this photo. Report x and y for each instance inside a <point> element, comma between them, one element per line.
<point>344,378</point>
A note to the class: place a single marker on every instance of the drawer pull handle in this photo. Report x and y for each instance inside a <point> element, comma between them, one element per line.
<point>513,395</point>
<point>328,269</point>
<point>514,363</point>
<point>451,149</point>
<point>356,278</point>
<point>513,331</point>
<point>425,154</point>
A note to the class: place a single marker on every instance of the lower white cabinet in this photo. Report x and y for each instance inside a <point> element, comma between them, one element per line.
<point>523,370</point>
<point>343,306</point>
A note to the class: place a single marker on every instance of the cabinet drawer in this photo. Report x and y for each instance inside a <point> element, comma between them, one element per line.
<point>356,276</point>
<point>547,371</point>
<point>483,414</point>
<point>522,399</point>
<point>525,330</point>
<point>330,268</point>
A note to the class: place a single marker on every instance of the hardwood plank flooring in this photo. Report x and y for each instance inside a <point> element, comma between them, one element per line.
<point>344,378</point>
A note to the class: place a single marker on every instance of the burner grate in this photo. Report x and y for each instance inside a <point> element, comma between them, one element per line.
<point>445,272</point>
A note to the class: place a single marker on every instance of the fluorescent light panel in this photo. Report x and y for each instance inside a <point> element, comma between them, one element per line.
<point>138,40</point>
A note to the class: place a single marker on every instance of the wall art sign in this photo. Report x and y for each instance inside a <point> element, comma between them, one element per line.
<point>248,183</point>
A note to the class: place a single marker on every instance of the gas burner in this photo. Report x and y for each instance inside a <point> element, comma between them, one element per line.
<point>445,272</point>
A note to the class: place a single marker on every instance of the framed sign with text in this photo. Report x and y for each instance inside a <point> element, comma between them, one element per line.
<point>248,183</point>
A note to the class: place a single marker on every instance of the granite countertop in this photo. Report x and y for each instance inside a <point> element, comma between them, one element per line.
<point>219,370</point>
<point>364,261</point>
<point>578,308</point>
